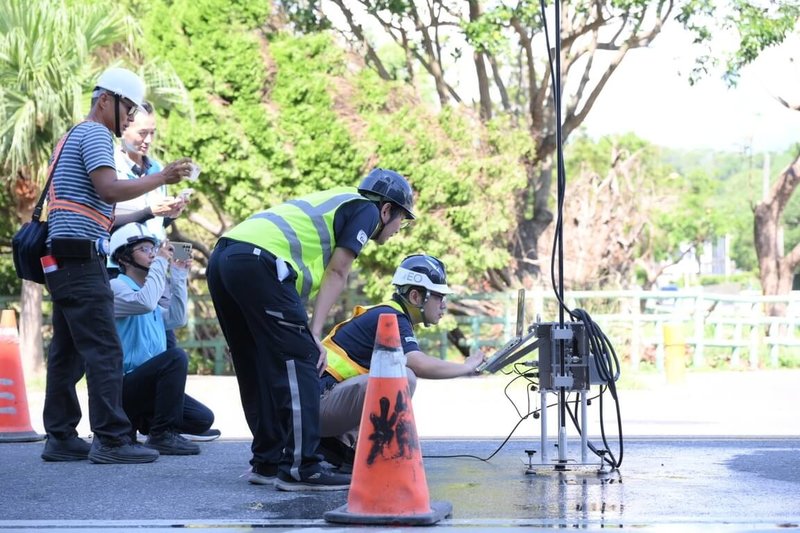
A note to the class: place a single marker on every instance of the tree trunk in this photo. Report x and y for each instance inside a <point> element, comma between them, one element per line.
<point>531,225</point>
<point>26,193</point>
<point>480,69</point>
<point>30,330</point>
<point>776,270</point>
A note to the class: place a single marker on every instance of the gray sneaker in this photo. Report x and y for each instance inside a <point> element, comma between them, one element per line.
<point>71,449</point>
<point>262,474</point>
<point>120,453</point>
<point>170,443</point>
<point>324,480</point>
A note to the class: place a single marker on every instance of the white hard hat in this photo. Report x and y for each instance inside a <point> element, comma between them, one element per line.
<point>422,271</point>
<point>129,234</point>
<point>123,82</point>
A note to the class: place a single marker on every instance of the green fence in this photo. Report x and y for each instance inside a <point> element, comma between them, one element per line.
<point>732,330</point>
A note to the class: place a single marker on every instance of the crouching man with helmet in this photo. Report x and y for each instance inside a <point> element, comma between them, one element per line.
<point>420,298</point>
<point>153,389</point>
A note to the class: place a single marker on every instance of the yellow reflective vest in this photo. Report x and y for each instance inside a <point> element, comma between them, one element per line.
<point>300,232</point>
<point>340,365</point>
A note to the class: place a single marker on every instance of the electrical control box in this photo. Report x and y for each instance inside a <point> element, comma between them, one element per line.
<point>574,376</point>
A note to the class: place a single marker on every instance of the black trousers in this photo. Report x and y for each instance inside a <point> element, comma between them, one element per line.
<point>154,398</point>
<point>84,341</point>
<point>273,352</point>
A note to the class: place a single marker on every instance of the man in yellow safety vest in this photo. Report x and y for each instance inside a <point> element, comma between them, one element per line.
<point>260,276</point>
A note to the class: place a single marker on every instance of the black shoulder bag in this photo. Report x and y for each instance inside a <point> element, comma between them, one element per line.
<point>30,241</point>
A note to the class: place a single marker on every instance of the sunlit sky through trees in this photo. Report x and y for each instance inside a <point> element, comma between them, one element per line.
<point>650,95</point>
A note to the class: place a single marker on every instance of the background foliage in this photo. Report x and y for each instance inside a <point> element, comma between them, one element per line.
<point>272,105</point>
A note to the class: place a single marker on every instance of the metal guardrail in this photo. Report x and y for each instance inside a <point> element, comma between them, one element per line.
<point>634,320</point>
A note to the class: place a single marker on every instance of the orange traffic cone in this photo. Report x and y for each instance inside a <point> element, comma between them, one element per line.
<point>388,484</point>
<point>15,422</point>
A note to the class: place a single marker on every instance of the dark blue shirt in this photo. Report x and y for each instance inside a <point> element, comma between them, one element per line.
<point>357,338</point>
<point>354,223</point>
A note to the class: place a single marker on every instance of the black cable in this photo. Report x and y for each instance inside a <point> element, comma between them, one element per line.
<point>522,418</point>
<point>606,361</point>
<point>610,459</point>
<point>514,429</point>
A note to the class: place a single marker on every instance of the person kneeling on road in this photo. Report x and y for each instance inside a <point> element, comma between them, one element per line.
<point>420,297</point>
<point>153,388</point>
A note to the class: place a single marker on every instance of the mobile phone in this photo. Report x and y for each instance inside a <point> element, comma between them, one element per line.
<point>195,172</point>
<point>182,250</point>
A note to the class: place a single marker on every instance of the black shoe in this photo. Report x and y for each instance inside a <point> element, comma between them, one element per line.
<point>337,452</point>
<point>324,480</point>
<point>263,474</point>
<point>120,453</point>
<point>71,449</point>
<point>209,435</point>
<point>170,443</point>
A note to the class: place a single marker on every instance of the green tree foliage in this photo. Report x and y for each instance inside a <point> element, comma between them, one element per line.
<point>791,216</point>
<point>737,185</point>
<point>278,115</point>
<point>511,71</point>
<point>49,58</point>
<point>758,25</point>
<point>47,64</point>
<point>214,48</point>
<point>626,206</point>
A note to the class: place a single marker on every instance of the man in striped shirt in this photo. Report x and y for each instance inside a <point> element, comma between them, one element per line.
<point>82,195</point>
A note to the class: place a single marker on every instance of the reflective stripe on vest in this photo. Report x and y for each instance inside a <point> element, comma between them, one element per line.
<point>308,258</point>
<point>81,209</point>
<point>340,365</point>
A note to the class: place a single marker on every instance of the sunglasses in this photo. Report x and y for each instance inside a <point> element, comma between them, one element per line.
<point>130,108</point>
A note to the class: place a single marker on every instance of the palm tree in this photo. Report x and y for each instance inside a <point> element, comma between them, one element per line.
<point>50,53</point>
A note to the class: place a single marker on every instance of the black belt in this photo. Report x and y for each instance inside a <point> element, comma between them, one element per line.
<point>224,242</point>
<point>64,248</point>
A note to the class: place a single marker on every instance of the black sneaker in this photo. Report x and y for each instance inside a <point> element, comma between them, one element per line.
<point>324,480</point>
<point>120,453</point>
<point>262,474</point>
<point>337,453</point>
<point>211,434</point>
<point>71,449</point>
<point>170,443</point>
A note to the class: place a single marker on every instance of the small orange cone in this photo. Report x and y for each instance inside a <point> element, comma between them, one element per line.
<point>388,484</point>
<point>15,422</point>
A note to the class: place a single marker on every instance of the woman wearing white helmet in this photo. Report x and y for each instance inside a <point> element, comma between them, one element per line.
<point>153,392</point>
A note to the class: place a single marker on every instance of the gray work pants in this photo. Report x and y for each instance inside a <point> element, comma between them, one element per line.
<point>340,407</point>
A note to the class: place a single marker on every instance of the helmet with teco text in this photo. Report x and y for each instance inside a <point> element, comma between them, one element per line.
<point>422,271</point>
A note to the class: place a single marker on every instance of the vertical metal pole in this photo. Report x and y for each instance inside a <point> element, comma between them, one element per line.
<point>543,434</point>
<point>637,326</point>
<point>561,180</point>
<point>562,427</point>
<point>584,428</point>
<point>699,330</point>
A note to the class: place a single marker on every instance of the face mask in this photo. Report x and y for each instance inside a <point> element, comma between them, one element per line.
<point>128,146</point>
